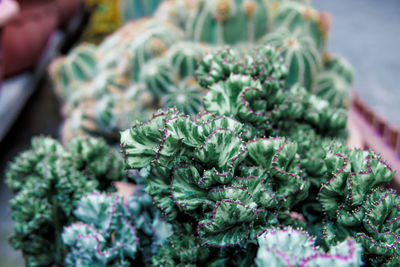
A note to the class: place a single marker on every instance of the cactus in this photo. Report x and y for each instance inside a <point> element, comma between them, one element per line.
<point>106,116</point>
<point>187,97</point>
<point>48,181</point>
<point>300,55</point>
<point>204,169</point>
<point>134,9</point>
<point>374,224</point>
<point>228,21</point>
<point>289,247</point>
<point>250,91</point>
<point>335,82</point>
<point>177,11</point>
<point>79,67</point>
<point>300,19</point>
<point>103,235</point>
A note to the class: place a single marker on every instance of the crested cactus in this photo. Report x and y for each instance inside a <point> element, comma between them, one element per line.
<point>301,19</point>
<point>250,90</point>
<point>300,55</point>
<point>151,227</point>
<point>289,247</point>
<point>48,181</point>
<point>205,169</point>
<point>335,81</point>
<point>228,21</point>
<point>103,235</point>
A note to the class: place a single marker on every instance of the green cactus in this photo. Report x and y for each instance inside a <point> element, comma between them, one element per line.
<point>228,21</point>
<point>301,19</point>
<point>134,9</point>
<point>289,247</point>
<point>335,81</point>
<point>48,181</point>
<point>103,235</point>
<point>300,55</point>
<point>79,67</point>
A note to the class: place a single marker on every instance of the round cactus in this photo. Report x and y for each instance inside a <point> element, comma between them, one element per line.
<point>300,54</point>
<point>80,66</point>
<point>335,82</point>
<point>134,9</point>
<point>228,21</point>
<point>185,57</point>
<point>187,97</point>
<point>302,20</point>
<point>151,44</point>
<point>177,11</point>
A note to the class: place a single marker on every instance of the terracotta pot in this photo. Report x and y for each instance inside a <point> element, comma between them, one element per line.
<point>67,9</point>
<point>25,36</point>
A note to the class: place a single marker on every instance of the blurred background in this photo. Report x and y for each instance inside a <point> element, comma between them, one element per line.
<point>366,32</point>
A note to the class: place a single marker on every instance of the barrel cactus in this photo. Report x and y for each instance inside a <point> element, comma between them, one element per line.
<point>300,55</point>
<point>228,21</point>
<point>80,66</point>
<point>134,9</point>
<point>335,81</point>
<point>104,234</point>
<point>301,19</point>
<point>289,247</point>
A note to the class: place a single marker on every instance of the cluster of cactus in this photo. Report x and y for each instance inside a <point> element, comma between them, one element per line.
<point>111,233</point>
<point>48,180</point>
<point>143,66</point>
<point>290,247</point>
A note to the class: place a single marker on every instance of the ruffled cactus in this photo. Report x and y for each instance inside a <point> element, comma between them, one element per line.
<point>48,180</point>
<point>335,82</point>
<point>204,169</point>
<point>374,223</point>
<point>301,19</point>
<point>103,235</point>
<point>250,90</point>
<point>228,21</point>
<point>289,247</point>
<point>300,55</point>
<point>151,227</point>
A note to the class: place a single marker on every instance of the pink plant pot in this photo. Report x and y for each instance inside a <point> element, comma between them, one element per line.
<point>67,9</point>
<point>25,36</point>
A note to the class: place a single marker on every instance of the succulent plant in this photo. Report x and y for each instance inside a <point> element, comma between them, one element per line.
<point>300,55</point>
<point>134,9</point>
<point>177,11</point>
<point>250,90</point>
<point>204,169</point>
<point>228,21</point>
<point>103,235</point>
<point>48,181</point>
<point>151,227</point>
<point>289,247</point>
<point>79,67</point>
<point>106,116</point>
<point>301,19</point>
<point>335,81</point>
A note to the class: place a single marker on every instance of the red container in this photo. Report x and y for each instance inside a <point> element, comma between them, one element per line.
<point>25,36</point>
<point>67,9</point>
